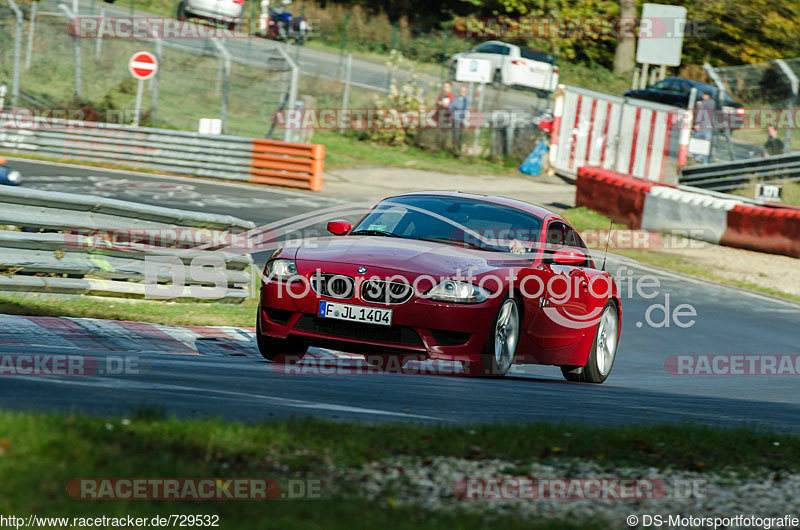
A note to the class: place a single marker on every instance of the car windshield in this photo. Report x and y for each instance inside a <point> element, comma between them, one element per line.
<point>537,56</point>
<point>453,220</point>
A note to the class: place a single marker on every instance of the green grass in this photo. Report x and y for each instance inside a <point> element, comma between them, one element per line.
<point>40,454</point>
<point>584,219</point>
<point>790,194</point>
<point>343,150</point>
<point>200,314</point>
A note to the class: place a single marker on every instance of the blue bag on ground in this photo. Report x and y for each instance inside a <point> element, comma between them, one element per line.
<point>533,163</point>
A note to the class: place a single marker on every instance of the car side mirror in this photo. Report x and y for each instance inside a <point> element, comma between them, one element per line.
<point>565,257</point>
<point>339,227</point>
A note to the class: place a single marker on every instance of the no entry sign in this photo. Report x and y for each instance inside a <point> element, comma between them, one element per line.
<point>143,65</point>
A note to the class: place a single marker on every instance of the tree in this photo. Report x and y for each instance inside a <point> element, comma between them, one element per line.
<point>625,53</point>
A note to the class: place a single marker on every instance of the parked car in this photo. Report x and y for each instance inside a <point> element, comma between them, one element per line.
<point>220,11</point>
<point>514,66</point>
<point>675,91</point>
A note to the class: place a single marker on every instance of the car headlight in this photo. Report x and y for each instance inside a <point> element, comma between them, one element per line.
<point>14,176</point>
<point>281,269</point>
<point>456,291</point>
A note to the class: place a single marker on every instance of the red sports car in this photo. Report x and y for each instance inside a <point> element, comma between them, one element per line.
<point>487,281</point>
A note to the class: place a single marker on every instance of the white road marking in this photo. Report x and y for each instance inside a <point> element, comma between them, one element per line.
<point>711,283</point>
<point>109,382</point>
<point>215,182</point>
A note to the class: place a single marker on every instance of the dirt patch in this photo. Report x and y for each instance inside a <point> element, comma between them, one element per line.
<point>770,271</point>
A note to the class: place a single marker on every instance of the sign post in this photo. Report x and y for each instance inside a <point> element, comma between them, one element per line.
<point>142,66</point>
<point>660,38</point>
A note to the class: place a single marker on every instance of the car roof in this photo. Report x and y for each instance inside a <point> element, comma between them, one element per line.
<point>538,211</point>
<point>699,84</point>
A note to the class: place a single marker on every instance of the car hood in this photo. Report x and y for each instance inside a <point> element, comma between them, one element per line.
<point>404,255</point>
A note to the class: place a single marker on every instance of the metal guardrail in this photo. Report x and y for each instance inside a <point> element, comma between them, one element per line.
<point>68,244</point>
<point>217,156</point>
<point>725,176</point>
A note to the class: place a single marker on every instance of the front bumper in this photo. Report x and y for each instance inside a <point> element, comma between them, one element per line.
<point>420,328</point>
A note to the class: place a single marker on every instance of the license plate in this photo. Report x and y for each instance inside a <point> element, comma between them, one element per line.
<point>355,313</point>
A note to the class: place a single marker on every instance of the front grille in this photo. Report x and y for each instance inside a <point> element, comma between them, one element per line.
<point>333,285</point>
<point>386,292</point>
<point>358,330</point>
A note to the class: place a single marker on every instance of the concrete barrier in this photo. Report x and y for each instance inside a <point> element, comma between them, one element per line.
<point>617,196</point>
<point>774,230</point>
<point>695,213</point>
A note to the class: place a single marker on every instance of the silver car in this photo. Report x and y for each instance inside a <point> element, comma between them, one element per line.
<point>225,11</point>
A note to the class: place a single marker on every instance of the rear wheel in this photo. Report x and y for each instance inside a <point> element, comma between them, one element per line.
<point>278,350</point>
<point>501,343</point>
<point>604,350</point>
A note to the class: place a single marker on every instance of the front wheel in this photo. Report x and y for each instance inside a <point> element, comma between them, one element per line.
<point>604,350</point>
<point>278,350</point>
<point>501,343</point>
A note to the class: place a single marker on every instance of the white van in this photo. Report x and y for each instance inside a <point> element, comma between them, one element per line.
<point>514,66</point>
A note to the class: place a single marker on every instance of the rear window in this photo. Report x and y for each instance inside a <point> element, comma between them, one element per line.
<point>538,56</point>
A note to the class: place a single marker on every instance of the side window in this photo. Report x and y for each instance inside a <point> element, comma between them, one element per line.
<point>556,236</point>
<point>574,240</point>
<point>504,50</point>
<point>483,48</point>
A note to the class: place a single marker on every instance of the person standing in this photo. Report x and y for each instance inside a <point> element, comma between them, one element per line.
<point>773,145</point>
<point>443,101</point>
<point>445,96</point>
<point>459,110</point>
<point>703,119</point>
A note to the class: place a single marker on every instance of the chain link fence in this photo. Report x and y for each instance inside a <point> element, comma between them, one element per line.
<point>242,81</point>
<point>232,80</point>
<point>768,93</point>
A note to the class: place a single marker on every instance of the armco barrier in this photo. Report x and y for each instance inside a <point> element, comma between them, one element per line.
<point>708,216</point>
<point>65,247</point>
<point>216,156</point>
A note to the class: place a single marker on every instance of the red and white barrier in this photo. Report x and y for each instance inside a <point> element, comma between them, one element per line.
<point>625,135</point>
<point>639,203</point>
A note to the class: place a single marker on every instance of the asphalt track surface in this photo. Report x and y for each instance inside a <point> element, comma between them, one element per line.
<point>240,385</point>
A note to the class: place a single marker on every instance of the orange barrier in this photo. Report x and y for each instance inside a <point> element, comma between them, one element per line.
<point>617,196</point>
<point>287,164</point>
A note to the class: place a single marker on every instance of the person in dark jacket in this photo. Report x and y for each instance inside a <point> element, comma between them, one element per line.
<point>459,109</point>
<point>773,145</point>
<point>703,119</point>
